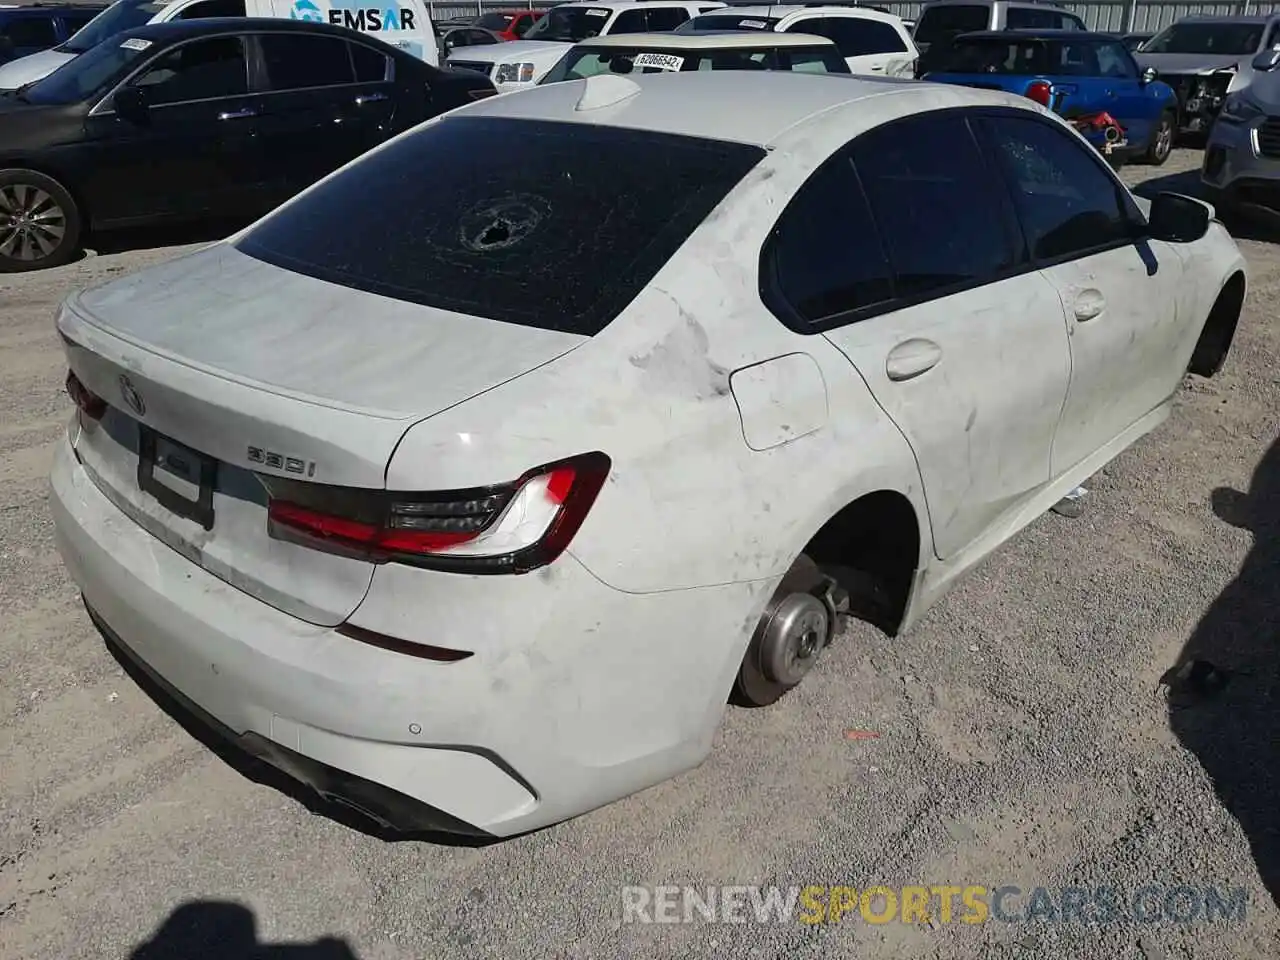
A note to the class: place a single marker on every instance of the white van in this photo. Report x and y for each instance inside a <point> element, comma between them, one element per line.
<point>402,23</point>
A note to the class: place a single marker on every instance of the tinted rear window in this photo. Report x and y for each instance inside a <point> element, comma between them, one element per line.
<point>560,234</point>
<point>939,22</point>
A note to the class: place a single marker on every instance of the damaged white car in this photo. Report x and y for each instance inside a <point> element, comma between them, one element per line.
<point>467,485</point>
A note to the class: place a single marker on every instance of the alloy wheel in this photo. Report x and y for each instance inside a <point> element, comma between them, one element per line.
<point>32,223</point>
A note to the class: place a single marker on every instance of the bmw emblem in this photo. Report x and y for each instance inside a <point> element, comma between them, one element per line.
<point>131,396</point>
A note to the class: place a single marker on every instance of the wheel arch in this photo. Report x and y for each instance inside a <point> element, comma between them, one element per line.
<point>1219,329</point>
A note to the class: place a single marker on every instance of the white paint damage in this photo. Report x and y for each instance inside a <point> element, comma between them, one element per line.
<point>732,439</point>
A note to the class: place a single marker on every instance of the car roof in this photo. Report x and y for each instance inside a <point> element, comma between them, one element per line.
<point>1017,36</point>
<point>624,4</point>
<point>707,40</point>
<point>928,4</point>
<point>783,10</point>
<point>1224,18</point>
<point>748,107</point>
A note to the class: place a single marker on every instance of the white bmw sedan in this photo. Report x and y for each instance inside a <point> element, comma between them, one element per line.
<point>468,485</point>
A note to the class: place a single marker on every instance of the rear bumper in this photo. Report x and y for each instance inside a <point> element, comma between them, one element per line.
<point>558,718</point>
<point>1234,167</point>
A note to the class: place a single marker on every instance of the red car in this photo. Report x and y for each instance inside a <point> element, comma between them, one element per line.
<point>509,24</point>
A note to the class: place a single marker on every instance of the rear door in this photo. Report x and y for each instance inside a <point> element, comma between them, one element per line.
<point>201,129</point>
<point>912,268</point>
<point>1117,289</point>
<point>325,101</point>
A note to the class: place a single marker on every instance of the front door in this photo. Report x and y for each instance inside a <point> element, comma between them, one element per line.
<point>326,101</point>
<point>193,153</point>
<point>959,341</point>
<point>1118,289</point>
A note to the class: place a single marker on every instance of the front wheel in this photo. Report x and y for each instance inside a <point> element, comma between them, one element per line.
<point>39,222</point>
<point>1161,145</point>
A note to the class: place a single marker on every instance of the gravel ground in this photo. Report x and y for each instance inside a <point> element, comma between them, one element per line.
<point>1021,742</point>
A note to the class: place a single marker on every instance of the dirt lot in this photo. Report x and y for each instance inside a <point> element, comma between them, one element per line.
<point>1021,741</point>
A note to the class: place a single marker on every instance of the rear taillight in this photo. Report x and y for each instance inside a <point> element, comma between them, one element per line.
<point>1041,92</point>
<point>90,404</point>
<point>507,528</point>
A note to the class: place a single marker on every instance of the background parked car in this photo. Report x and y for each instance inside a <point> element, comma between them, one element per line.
<point>407,26</point>
<point>509,24</point>
<point>940,20</point>
<point>643,53</point>
<point>871,41</point>
<point>453,38</point>
<point>1241,162</point>
<point>1206,58</point>
<point>195,118</point>
<point>30,29</point>
<point>1073,73</point>
<point>521,64</point>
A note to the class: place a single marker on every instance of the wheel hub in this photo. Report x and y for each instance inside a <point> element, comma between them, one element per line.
<point>793,635</point>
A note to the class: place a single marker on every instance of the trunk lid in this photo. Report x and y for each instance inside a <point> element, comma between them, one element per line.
<point>222,363</point>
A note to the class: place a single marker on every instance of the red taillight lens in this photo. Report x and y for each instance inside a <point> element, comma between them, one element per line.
<point>1041,92</point>
<point>90,404</point>
<point>509,528</point>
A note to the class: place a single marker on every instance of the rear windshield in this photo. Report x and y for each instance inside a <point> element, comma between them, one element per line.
<point>940,22</point>
<point>561,233</point>
<point>1234,39</point>
<point>584,61</point>
<point>721,21</point>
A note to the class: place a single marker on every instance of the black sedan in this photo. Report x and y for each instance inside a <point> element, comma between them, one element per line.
<point>197,119</point>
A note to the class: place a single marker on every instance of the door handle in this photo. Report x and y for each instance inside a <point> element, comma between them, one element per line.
<point>238,114</point>
<point>911,358</point>
<point>1089,304</point>
<point>370,98</point>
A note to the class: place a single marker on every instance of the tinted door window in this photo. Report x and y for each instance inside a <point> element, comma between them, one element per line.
<point>213,8</point>
<point>200,70</point>
<point>1114,61</point>
<point>1068,202</point>
<point>371,66</point>
<point>630,21</point>
<point>1067,22</point>
<point>666,19</point>
<point>295,62</point>
<point>827,258</point>
<point>937,203</point>
<point>76,21</point>
<point>1020,18</point>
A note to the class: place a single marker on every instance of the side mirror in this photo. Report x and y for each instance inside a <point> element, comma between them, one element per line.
<point>1266,61</point>
<point>1177,218</point>
<point>131,104</point>
<point>1150,75</point>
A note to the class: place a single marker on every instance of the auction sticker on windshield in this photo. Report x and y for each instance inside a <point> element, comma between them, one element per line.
<point>597,13</point>
<point>659,61</point>
<point>133,43</point>
<point>758,24</point>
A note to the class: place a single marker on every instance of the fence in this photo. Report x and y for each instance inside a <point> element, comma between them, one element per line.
<point>1138,16</point>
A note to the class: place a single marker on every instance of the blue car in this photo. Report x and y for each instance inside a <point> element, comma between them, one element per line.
<point>1073,73</point>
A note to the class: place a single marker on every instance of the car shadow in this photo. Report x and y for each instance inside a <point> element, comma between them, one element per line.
<point>260,772</point>
<point>1243,221</point>
<point>220,930</point>
<point>1233,724</point>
